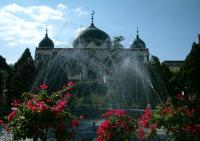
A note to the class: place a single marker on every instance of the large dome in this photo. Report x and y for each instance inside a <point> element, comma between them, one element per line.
<point>46,42</point>
<point>138,43</point>
<point>92,37</point>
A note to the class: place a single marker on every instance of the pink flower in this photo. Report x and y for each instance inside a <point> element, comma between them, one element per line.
<point>1,122</point>
<point>140,133</point>
<point>43,87</point>
<point>11,116</point>
<point>82,117</point>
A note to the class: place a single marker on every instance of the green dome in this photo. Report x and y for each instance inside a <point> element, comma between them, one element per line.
<point>92,37</point>
<point>46,42</point>
<point>138,43</point>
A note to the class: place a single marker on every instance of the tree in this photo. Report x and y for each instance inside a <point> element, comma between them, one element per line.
<point>117,42</point>
<point>3,64</point>
<point>23,75</point>
<point>4,70</point>
<point>189,75</point>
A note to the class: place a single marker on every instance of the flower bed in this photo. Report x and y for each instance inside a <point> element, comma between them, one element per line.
<point>181,120</point>
<point>41,112</point>
<point>117,126</point>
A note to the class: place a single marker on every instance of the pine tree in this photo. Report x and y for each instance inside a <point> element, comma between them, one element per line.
<point>23,75</point>
<point>189,75</point>
<point>4,70</point>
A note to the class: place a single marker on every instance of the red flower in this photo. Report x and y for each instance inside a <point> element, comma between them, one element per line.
<point>148,113</point>
<point>16,103</point>
<point>154,126</point>
<point>75,123</point>
<point>140,133</point>
<point>41,106</point>
<point>144,123</point>
<point>179,96</point>
<point>43,87</point>
<point>70,83</point>
<point>116,112</point>
<point>144,120</point>
<point>179,109</point>
<point>7,128</point>
<point>1,122</point>
<point>105,125</point>
<point>11,116</point>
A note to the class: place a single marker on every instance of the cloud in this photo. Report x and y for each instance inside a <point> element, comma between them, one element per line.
<point>62,6</point>
<point>39,13</point>
<point>25,25</point>
<point>81,12</point>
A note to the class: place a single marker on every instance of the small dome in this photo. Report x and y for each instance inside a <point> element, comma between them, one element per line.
<point>46,42</point>
<point>138,43</point>
<point>92,37</point>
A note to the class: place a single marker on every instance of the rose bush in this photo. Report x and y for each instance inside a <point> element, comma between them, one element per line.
<point>181,120</point>
<point>41,112</point>
<point>117,126</point>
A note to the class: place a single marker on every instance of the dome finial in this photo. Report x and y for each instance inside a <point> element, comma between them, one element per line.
<point>46,31</point>
<point>92,16</point>
<point>137,32</point>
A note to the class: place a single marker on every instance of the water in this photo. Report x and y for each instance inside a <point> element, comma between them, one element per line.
<point>116,77</point>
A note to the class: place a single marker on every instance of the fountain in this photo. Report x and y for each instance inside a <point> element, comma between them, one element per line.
<point>105,77</point>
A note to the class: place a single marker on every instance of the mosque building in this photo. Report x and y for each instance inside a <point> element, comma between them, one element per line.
<point>92,58</point>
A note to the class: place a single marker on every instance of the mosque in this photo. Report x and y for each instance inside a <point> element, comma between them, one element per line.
<point>91,60</point>
<point>93,46</point>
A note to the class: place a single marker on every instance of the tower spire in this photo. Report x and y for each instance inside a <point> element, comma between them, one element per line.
<point>92,17</point>
<point>137,32</point>
<point>46,31</point>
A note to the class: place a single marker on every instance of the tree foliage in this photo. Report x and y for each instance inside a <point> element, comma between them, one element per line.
<point>22,76</point>
<point>117,42</point>
<point>4,70</point>
<point>189,75</point>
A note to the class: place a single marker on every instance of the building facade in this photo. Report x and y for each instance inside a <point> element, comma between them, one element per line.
<point>94,64</point>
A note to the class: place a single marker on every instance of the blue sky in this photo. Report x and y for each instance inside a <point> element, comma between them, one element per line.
<point>168,27</point>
